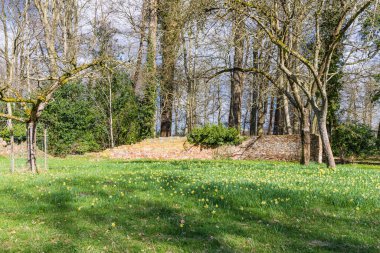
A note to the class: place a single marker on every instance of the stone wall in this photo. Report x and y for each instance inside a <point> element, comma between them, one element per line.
<point>272,147</point>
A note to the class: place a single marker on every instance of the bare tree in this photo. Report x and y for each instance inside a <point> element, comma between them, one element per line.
<point>237,77</point>
<point>50,71</point>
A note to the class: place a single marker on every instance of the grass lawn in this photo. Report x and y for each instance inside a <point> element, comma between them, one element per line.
<point>83,205</point>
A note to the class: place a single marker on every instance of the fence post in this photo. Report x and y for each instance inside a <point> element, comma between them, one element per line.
<point>45,148</point>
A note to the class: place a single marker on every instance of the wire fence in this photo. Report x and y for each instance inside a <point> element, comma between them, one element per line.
<point>20,150</point>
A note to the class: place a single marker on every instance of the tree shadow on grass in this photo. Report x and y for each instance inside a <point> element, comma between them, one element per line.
<point>151,222</point>
<point>304,237</point>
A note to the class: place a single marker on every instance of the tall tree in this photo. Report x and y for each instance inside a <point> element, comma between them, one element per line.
<point>148,102</point>
<point>171,22</point>
<point>237,77</point>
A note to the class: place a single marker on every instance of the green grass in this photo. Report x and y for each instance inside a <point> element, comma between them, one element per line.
<point>83,205</point>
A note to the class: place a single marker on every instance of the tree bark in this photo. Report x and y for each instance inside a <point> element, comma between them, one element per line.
<point>295,119</point>
<point>136,75</point>
<point>271,110</point>
<point>70,33</point>
<point>287,115</point>
<point>378,137</point>
<point>110,112</point>
<point>253,119</point>
<point>166,115</point>
<point>170,42</point>
<point>31,144</point>
<point>237,79</point>
<point>262,111</point>
<point>45,149</point>
<point>219,101</point>
<point>12,140</point>
<point>190,100</point>
<point>322,124</point>
<point>255,96</point>
<point>148,104</point>
<point>278,126</point>
<point>305,136</point>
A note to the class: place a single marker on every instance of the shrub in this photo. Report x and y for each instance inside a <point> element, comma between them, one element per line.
<point>73,124</point>
<point>353,140</point>
<point>19,132</point>
<point>214,136</point>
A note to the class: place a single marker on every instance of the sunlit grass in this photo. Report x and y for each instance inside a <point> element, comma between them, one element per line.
<point>83,205</point>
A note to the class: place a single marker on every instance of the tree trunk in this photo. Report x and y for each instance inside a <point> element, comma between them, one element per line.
<point>237,79</point>
<point>170,42</point>
<point>305,137</point>
<point>296,122</point>
<point>166,115</point>
<point>110,111</point>
<point>245,119</point>
<point>190,103</point>
<point>263,108</point>
<point>70,30</point>
<point>12,140</point>
<point>45,149</point>
<point>253,119</point>
<point>32,145</point>
<point>136,76</point>
<point>219,99</point>
<point>255,97</point>
<point>271,110</point>
<point>278,126</point>
<point>287,115</point>
<point>322,124</point>
<point>176,114</point>
<point>148,103</point>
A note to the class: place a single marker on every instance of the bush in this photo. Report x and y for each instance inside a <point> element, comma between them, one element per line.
<point>73,124</point>
<point>353,140</point>
<point>19,132</point>
<point>214,136</point>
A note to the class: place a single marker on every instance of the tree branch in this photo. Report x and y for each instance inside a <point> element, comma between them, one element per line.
<point>7,116</point>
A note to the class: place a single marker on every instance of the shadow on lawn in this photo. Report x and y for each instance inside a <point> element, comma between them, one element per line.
<point>147,223</point>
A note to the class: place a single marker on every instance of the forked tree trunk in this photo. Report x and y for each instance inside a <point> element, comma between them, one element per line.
<point>322,124</point>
